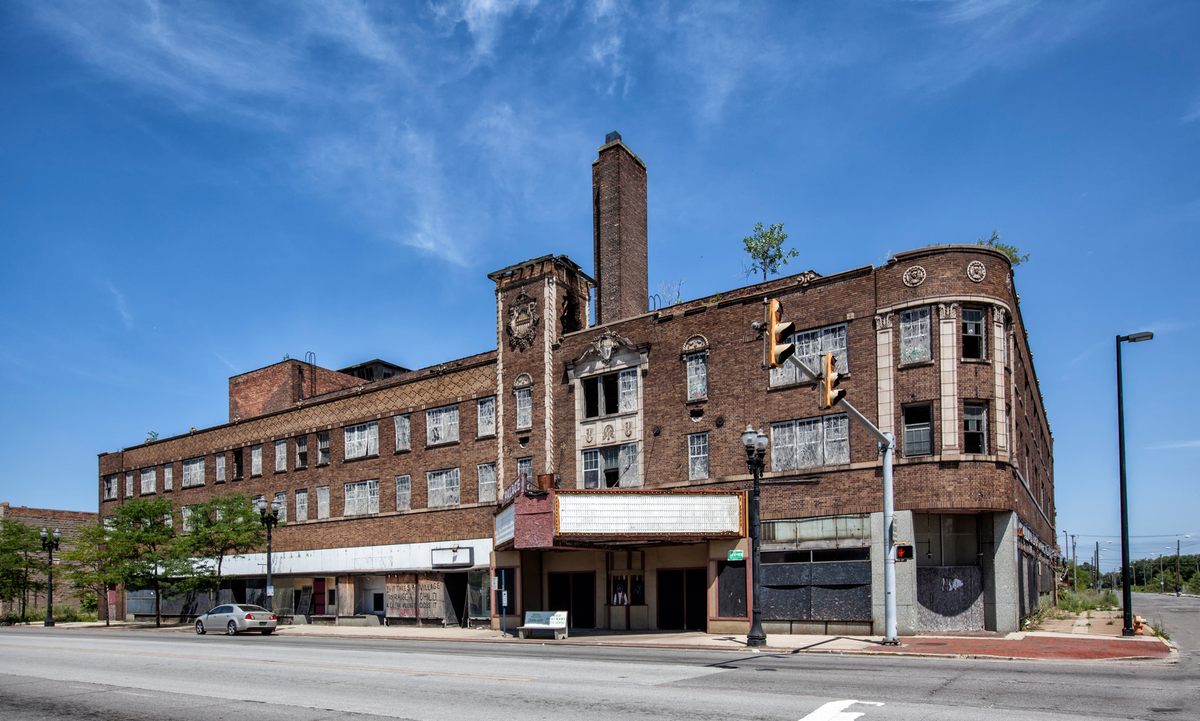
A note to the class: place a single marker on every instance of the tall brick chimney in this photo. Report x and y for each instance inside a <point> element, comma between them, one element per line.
<point>619,218</point>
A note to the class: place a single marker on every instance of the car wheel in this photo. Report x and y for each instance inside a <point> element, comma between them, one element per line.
<point>268,631</point>
<point>199,627</point>
<point>231,629</point>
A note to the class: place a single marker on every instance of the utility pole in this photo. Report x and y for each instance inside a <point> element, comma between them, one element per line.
<point>1178,574</point>
<point>1074,568</point>
<point>1096,565</point>
<point>887,446</point>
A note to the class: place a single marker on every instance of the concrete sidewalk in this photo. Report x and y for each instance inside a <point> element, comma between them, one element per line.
<point>1079,643</point>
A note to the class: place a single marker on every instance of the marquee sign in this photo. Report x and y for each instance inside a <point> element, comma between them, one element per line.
<point>641,513</point>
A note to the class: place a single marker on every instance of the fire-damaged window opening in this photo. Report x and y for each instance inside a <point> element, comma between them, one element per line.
<point>610,393</point>
<point>611,467</point>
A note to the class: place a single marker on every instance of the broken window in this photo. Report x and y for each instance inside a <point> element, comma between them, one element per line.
<point>810,442</point>
<point>810,346</point>
<point>918,430</point>
<point>697,376</point>
<point>442,486</point>
<point>611,467</point>
<point>973,333</point>
<point>610,393</point>
<point>697,456</point>
<point>974,428</point>
<point>915,336</point>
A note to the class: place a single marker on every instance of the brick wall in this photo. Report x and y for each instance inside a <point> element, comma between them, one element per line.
<point>68,524</point>
<point>280,386</point>
<point>619,217</point>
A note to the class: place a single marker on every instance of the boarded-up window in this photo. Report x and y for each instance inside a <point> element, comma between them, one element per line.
<point>731,589</point>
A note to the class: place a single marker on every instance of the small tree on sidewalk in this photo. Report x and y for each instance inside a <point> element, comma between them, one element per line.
<point>221,526</point>
<point>144,546</point>
<point>22,566</point>
<point>91,565</point>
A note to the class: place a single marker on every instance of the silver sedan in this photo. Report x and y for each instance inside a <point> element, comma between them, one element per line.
<point>234,618</point>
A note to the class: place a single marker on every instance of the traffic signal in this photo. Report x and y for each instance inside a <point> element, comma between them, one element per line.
<point>831,395</point>
<point>904,552</point>
<point>779,345</point>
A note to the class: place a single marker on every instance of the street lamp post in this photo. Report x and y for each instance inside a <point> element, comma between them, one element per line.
<point>755,443</point>
<point>269,515</point>
<point>50,545</point>
<point>1127,592</point>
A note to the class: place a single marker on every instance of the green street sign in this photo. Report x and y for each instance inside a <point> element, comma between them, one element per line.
<point>736,554</point>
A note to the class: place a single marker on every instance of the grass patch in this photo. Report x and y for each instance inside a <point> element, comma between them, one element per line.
<point>1087,601</point>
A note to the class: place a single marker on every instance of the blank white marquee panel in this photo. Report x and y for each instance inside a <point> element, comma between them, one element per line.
<point>633,514</point>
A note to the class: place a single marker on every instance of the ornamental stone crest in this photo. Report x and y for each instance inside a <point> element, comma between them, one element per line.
<point>998,314</point>
<point>607,433</point>
<point>976,271</point>
<point>522,322</point>
<point>807,277</point>
<point>588,435</point>
<point>947,310</point>
<point>606,345</point>
<point>522,381</point>
<point>695,343</point>
<point>914,276</point>
<point>884,321</point>
<point>628,428</point>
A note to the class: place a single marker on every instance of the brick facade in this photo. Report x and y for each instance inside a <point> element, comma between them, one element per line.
<point>546,353</point>
<point>68,524</point>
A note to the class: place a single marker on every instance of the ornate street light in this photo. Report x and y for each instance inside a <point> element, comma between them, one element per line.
<point>50,545</point>
<point>1126,591</point>
<point>755,443</point>
<point>269,515</point>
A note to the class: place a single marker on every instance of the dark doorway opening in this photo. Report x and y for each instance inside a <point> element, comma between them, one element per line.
<point>574,593</point>
<point>456,599</point>
<point>682,599</point>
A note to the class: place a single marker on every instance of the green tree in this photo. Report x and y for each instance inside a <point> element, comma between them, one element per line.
<point>1013,252</point>
<point>22,565</point>
<point>765,247</point>
<point>221,526</point>
<point>145,549</point>
<point>91,565</point>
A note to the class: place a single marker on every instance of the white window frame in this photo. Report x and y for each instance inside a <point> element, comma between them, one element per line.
<point>810,443</point>
<point>129,484</point>
<point>403,426</point>
<point>979,326</point>
<point>485,417</point>
<point>256,460</point>
<point>697,375</point>
<point>280,505</point>
<point>698,454</point>
<point>622,458</point>
<point>443,488</point>
<point>361,440</point>
<point>525,471</point>
<point>281,455</point>
<point>301,461</point>
<point>301,506</point>
<point>524,408</point>
<point>911,449</point>
<point>916,335</point>
<point>404,492</point>
<point>193,473</point>
<point>975,413</point>
<point>485,474</point>
<point>322,502</point>
<point>810,345</point>
<point>110,487</point>
<point>219,467</point>
<point>627,387</point>
<point>361,498</point>
<point>323,455</point>
<point>441,425</point>
<point>168,477</point>
<point>185,513</point>
<point>149,481</point>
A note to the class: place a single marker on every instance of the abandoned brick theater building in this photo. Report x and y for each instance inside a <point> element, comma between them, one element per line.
<point>597,468</point>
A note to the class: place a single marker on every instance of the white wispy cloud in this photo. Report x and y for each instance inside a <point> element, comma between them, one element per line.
<point>1193,113</point>
<point>227,363</point>
<point>962,38</point>
<point>1174,445</point>
<point>120,305</point>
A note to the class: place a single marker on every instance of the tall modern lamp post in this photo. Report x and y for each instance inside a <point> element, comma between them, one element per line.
<point>1126,591</point>
<point>50,545</point>
<point>269,515</point>
<point>756,451</point>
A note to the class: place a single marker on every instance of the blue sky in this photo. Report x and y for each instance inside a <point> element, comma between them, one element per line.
<point>193,190</point>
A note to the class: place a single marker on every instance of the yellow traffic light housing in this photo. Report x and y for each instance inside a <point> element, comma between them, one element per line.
<point>779,332</point>
<point>831,395</point>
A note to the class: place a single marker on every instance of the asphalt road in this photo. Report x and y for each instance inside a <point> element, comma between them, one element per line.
<point>134,675</point>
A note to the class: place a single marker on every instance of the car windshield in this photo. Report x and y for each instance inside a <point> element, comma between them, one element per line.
<point>252,608</point>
